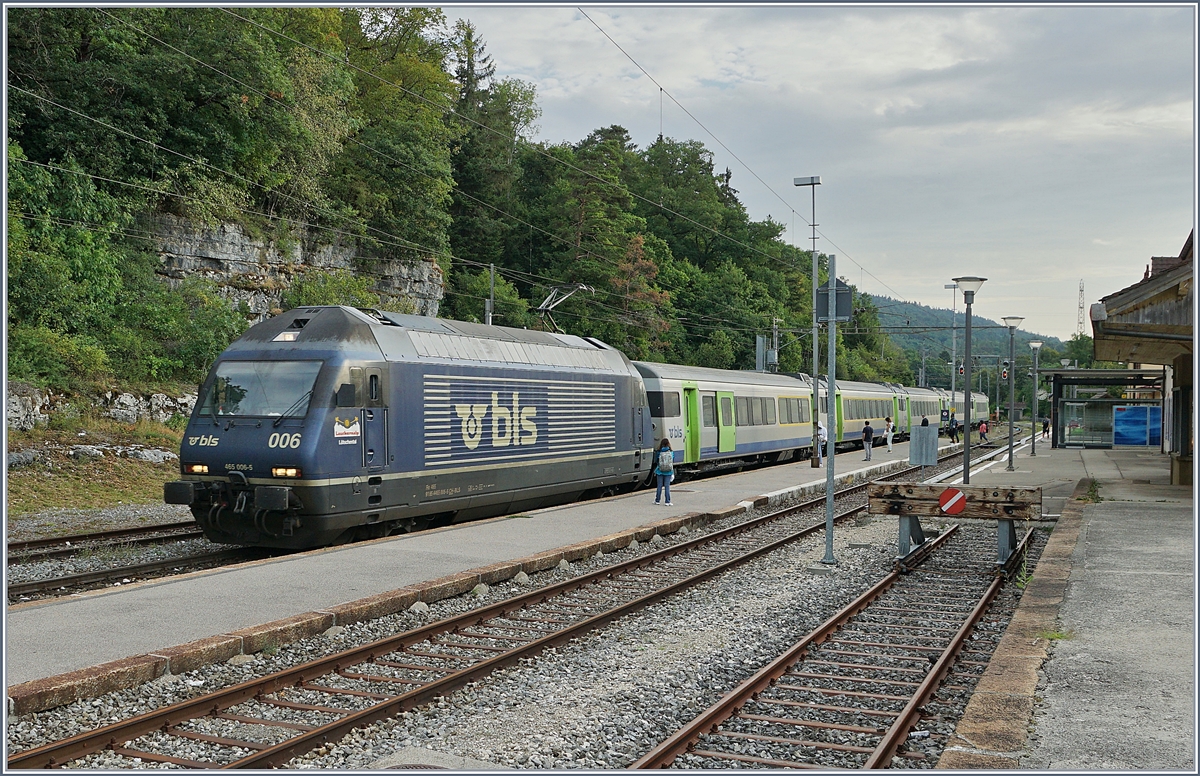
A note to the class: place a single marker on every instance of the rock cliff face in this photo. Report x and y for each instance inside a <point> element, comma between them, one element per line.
<point>256,271</point>
<point>26,407</point>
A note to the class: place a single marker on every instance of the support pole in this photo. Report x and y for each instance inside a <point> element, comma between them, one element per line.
<point>830,394</point>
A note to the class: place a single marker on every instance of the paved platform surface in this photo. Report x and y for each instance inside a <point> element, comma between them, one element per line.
<point>1096,672</point>
<point>44,639</point>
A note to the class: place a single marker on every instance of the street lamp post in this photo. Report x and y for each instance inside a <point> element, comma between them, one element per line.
<point>1036,345</point>
<point>1012,322</point>
<point>830,393</point>
<point>812,183</point>
<point>968,285</point>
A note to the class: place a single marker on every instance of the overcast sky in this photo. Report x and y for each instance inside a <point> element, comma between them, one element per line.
<point>1033,146</point>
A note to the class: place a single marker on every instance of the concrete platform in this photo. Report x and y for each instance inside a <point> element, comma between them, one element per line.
<point>1097,669</point>
<point>145,626</point>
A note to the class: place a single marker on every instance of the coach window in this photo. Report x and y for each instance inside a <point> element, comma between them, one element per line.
<point>663,404</point>
<point>709,405</point>
<point>769,411</point>
<point>743,411</point>
<point>756,412</point>
<point>726,411</point>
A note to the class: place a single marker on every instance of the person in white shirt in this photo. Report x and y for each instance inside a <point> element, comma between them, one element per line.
<point>889,428</point>
<point>822,438</point>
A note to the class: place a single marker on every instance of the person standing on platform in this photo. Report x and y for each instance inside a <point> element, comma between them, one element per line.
<point>664,468</point>
<point>1045,428</point>
<point>822,438</point>
<point>952,428</point>
<point>924,420</point>
<point>868,439</point>
<point>889,428</point>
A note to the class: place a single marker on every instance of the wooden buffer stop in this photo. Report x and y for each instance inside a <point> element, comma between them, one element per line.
<point>912,501</point>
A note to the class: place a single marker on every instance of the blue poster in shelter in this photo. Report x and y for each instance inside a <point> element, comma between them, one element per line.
<point>1154,425</point>
<point>1131,425</point>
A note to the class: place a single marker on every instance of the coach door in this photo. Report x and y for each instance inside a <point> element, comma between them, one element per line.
<point>374,417</point>
<point>691,427</point>
<point>726,430</point>
<point>708,421</point>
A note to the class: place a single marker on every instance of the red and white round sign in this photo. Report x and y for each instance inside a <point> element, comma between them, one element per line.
<point>952,501</point>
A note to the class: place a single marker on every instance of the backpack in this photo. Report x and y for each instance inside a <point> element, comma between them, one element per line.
<point>666,462</point>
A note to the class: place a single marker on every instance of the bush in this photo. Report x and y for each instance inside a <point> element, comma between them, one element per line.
<point>335,287</point>
<point>51,359</point>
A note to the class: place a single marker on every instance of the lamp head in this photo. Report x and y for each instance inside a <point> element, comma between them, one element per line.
<point>1066,362</point>
<point>1036,345</point>
<point>1012,321</point>
<point>970,284</point>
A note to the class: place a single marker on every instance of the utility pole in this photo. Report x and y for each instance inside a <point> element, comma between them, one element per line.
<point>491,300</point>
<point>812,182</point>
<point>830,394</point>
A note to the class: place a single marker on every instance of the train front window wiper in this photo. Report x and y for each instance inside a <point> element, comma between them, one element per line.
<point>295,405</point>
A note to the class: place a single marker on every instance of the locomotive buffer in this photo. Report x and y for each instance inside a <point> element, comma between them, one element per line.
<point>912,501</point>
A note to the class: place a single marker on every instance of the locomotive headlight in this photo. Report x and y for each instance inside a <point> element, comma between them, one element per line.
<point>285,471</point>
<point>195,468</point>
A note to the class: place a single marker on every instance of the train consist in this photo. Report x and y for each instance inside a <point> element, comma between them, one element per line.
<point>326,424</point>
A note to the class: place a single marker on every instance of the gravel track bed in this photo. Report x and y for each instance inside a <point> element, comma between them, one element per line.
<point>113,556</point>
<point>62,522</point>
<point>599,702</point>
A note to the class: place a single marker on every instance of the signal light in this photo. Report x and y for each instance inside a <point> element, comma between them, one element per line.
<point>1004,374</point>
<point>961,370</point>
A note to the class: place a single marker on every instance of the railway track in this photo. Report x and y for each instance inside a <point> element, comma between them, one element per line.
<point>267,721</point>
<point>70,583</point>
<point>63,546</point>
<point>848,694</point>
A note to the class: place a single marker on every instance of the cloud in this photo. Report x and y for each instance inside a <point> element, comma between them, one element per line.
<point>994,139</point>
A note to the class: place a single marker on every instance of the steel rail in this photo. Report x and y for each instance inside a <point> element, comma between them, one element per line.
<point>679,742</point>
<point>709,721</point>
<point>112,736</point>
<point>88,578</point>
<point>897,733</point>
<point>42,546</point>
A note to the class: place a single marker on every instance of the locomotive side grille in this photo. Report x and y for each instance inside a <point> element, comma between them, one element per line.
<point>490,419</point>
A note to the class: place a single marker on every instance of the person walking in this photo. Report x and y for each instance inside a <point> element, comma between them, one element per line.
<point>1045,428</point>
<point>924,420</point>
<point>952,428</point>
<point>868,436</point>
<point>889,428</point>
<point>664,468</point>
<point>822,438</point>
<point>983,429</point>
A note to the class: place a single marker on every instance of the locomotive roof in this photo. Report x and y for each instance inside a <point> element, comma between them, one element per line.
<point>406,337</point>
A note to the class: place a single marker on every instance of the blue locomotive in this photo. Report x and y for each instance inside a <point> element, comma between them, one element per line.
<point>328,424</point>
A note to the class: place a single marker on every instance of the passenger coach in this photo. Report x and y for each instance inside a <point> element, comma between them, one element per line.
<point>712,415</point>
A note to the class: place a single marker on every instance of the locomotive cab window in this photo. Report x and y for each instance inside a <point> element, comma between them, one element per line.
<point>664,404</point>
<point>261,388</point>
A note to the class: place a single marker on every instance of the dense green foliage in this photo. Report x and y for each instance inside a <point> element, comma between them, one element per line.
<point>384,127</point>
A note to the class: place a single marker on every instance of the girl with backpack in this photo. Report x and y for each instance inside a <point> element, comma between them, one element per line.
<point>664,467</point>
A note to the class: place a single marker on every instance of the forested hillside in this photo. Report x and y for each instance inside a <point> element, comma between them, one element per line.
<point>386,127</point>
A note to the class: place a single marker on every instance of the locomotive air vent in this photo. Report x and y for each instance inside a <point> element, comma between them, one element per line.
<point>298,323</point>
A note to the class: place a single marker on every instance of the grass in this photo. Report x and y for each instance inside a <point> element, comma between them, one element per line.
<point>1093,493</point>
<point>1056,635</point>
<point>58,481</point>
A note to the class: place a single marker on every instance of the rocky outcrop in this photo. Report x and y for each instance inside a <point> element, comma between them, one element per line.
<point>27,407</point>
<point>256,271</point>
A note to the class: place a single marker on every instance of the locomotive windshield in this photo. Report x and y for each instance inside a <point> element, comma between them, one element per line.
<point>262,388</point>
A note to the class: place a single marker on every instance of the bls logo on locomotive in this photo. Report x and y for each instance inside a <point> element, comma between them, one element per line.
<point>510,426</point>
<point>206,440</point>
